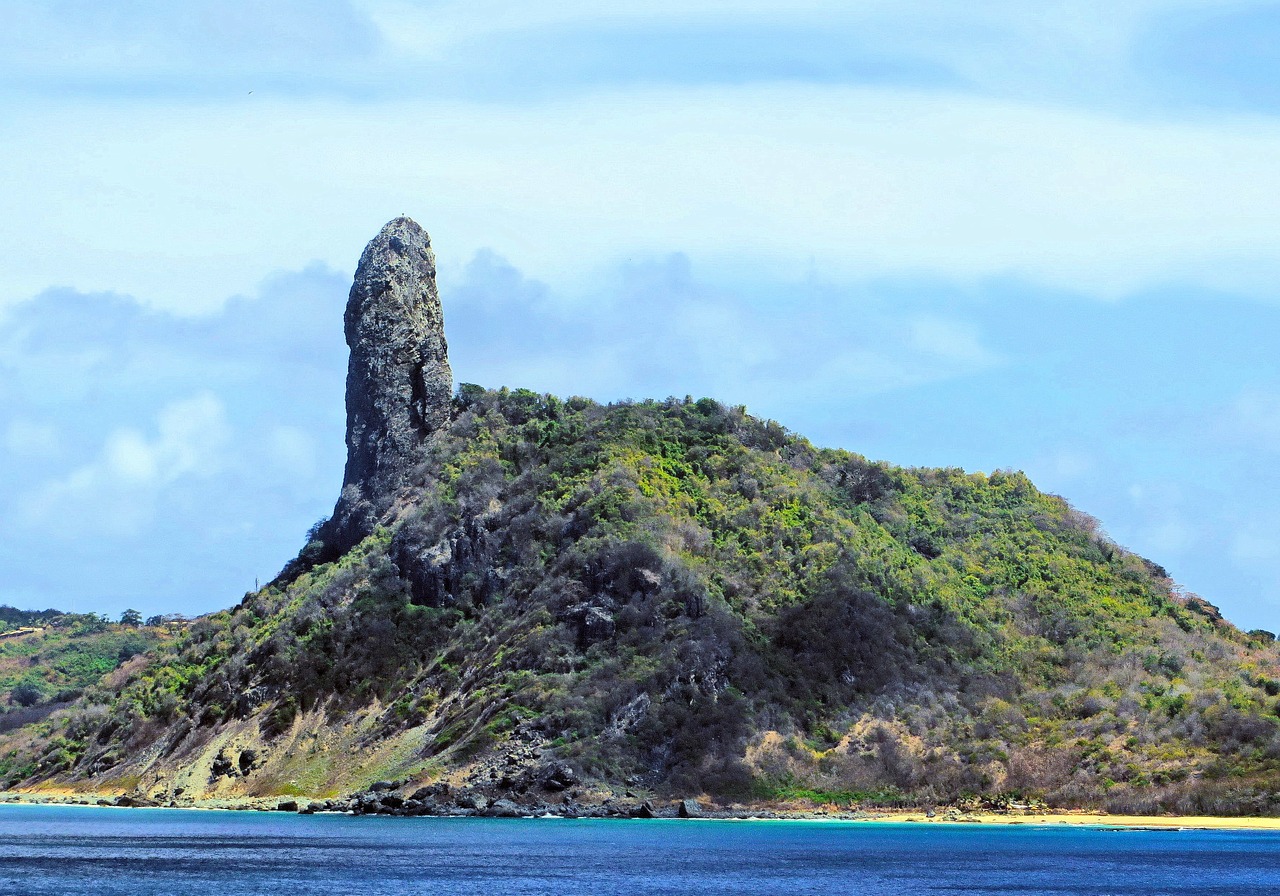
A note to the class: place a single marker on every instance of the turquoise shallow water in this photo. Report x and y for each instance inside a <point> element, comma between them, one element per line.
<point>70,850</point>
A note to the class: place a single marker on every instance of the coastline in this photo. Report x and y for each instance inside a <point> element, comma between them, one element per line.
<point>1096,819</point>
<point>1076,818</point>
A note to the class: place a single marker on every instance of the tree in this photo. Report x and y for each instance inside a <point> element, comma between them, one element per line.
<point>26,694</point>
<point>131,617</point>
<point>468,394</point>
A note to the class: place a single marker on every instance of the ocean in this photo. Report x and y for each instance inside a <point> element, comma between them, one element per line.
<point>72,850</point>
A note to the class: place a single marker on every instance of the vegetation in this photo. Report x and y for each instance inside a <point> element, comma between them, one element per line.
<point>678,594</point>
<point>48,658</point>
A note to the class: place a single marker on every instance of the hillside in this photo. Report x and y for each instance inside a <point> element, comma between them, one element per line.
<point>49,658</point>
<point>545,600</point>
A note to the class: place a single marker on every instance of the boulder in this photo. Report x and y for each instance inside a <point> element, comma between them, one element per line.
<point>689,809</point>
<point>503,809</point>
<point>221,766</point>
<point>432,791</point>
<point>473,801</point>
<point>593,623</point>
<point>557,776</point>
<point>247,761</point>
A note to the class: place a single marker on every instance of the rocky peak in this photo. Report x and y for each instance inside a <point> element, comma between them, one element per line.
<point>399,384</point>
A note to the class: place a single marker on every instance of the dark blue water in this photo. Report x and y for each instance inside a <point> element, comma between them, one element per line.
<point>64,850</point>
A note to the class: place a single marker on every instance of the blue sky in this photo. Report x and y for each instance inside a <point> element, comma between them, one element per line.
<point>992,235</point>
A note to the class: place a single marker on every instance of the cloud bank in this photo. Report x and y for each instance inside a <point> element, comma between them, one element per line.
<point>165,462</point>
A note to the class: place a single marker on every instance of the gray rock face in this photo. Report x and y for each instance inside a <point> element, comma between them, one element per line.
<point>503,809</point>
<point>689,809</point>
<point>399,385</point>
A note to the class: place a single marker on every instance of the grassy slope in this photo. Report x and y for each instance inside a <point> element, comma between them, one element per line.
<point>679,595</point>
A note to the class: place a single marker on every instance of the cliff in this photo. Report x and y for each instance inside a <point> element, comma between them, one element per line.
<point>399,384</point>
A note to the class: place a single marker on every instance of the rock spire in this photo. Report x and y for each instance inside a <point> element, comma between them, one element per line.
<point>399,384</point>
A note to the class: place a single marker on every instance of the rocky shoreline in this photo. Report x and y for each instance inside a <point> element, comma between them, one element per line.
<point>444,801</point>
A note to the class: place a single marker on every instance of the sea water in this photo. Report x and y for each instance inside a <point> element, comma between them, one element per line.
<point>72,850</point>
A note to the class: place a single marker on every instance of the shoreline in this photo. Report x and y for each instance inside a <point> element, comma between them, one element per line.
<point>1072,818</point>
<point>1096,819</point>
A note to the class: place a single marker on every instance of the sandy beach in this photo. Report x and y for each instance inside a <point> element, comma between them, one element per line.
<point>1200,822</point>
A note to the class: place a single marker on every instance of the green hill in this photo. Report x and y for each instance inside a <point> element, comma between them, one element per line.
<point>48,659</point>
<point>550,601</point>
<point>678,597</point>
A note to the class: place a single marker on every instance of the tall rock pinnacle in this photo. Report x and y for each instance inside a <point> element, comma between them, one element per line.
<point>399,383</point>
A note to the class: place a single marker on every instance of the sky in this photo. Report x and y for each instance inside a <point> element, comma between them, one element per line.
<point>993,235</point>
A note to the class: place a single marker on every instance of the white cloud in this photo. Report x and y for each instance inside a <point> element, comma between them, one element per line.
<point>1095,26</point>
<point>127,458</point>
<point>154,480</point>
<point>116,492</point>
<point>186,205</point>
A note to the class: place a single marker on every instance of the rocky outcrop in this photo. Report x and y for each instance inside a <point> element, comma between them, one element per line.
<point>399,385</point>
<point>689,809</point>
